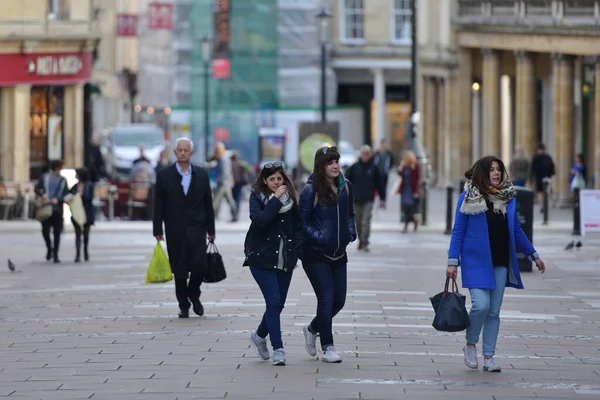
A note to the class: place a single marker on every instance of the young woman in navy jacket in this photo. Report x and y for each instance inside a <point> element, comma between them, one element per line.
<point>326,207</point>
<point>272,249</point>
<point>485,240</point>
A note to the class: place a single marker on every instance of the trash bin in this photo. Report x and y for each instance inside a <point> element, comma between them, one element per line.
<point>525,199</point>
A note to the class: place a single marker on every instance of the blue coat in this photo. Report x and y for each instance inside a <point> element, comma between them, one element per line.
<point>328,228</point>
<point>470,248</point>
<point>268,228</point>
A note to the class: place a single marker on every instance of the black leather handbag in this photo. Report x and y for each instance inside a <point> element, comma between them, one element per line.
<point>215,268</point>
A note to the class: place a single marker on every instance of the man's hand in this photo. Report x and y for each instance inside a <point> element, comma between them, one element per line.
<point>382,204</point>
<point>451,272</point>
<point>539,263</point>
<point>160,238</point>
<point>54,201</point>
<point>211,238</point>
<point>416,195</point>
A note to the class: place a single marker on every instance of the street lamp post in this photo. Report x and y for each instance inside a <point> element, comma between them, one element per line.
<point>206,45</point>
<point>323,18</point>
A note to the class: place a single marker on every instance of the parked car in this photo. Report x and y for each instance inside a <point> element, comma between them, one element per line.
<point>121,146</point>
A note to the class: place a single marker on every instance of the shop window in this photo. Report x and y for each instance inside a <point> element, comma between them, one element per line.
<point>46,128</point>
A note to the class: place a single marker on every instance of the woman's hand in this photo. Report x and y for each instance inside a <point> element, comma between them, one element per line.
<point>280,191</point>
<point>539,263</point>
<point>451,272</point>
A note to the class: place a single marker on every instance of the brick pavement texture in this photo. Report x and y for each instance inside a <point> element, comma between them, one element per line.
<point>95,331</point>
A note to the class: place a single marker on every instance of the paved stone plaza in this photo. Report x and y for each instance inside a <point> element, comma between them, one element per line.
<point>95,330</point>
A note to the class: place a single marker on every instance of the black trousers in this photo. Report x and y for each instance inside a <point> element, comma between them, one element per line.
<point>79,231</point>
<point>55,222</point>
<point>186,289</point>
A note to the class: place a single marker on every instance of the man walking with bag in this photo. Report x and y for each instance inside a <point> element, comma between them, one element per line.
<point>183,201</point>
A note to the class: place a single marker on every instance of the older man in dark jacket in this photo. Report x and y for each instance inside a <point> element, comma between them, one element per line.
<point>183,201</point>
<point>366,178</point>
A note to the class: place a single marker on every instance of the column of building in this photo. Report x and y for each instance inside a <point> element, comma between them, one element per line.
<point>562,75</point>
<point>16,132</point>
<point>459,103</point>
<point>525,115</point>
<point>73,126</point>
<point>428,120</point>
<point>491,103</point>
<point>380,107</point>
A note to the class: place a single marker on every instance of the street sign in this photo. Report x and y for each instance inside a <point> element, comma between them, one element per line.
<point>589,206</point>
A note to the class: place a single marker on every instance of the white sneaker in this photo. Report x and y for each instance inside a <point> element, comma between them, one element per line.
<point>310,341</point>
<point>278,357</point>
<point>490,366</point>
<point>260,345</point>
<point>331,356</point>
<point>471,357</point>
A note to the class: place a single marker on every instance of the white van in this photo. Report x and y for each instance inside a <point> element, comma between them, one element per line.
<point>121,146</point>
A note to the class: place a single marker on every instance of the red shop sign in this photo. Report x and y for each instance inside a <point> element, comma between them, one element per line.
<point>45,68</point>
<point>127,25</point>
<point>221,68</point>
<point>160,16</point>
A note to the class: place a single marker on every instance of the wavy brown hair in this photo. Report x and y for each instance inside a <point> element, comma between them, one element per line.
<point>479,173</point>
<point>261,187</point>
<point>323,190</point>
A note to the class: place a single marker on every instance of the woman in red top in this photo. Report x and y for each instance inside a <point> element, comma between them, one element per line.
<point>410,173</point>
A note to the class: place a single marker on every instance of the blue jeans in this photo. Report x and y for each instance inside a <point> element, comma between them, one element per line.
<point>274,285</point>
<point>329,281</point>
<point>236,191</point>
<point>485,313</point>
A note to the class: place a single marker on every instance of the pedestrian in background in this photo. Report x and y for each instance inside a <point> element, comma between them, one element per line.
<point>326,207</point>
<point>578,173</point>
<point>366,178</point>
<point>272,248</point>
<point>542,168</point>
<point>410,189</point>
<point>52,188</point>
<point>224,172</point>
<point>183,202</point>
<point>520,168</point>
<point>384,160</point>
<point>241,172</point>
<point>85,188</point>
<point>488,261</point>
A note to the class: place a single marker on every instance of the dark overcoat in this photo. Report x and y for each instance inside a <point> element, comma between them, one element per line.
<point>187,219</point>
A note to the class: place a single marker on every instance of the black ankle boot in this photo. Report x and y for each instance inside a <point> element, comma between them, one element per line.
<point>48,255</point>
<point>86,255</point>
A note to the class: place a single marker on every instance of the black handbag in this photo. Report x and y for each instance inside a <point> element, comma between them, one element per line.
<point>450,310</point>
<point>215,268</point>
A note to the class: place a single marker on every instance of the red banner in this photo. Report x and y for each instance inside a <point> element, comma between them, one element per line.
<point>160,16</point>
<point>127,25</point>
<point>45,68</point>
<point>221,55</point>
<point>221,68</point>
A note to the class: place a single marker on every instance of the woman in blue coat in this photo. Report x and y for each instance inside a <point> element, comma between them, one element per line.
<point>272,248</point>
<point>326,207</point>
<point>85,188</point>
<point>485,240</point>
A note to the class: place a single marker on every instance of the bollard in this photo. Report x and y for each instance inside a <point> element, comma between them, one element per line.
<point>576,213</point>
<point>424,195</point>
<point>546,202</point>
<point>449,209</point>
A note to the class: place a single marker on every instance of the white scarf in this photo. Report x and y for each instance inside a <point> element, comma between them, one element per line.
<point>287,202</point>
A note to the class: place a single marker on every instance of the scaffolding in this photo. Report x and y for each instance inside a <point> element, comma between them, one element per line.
<point>248,98</point>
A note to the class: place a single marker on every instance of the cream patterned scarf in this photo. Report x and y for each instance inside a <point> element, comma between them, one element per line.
<point>287,202</point>
<point>475,203</point>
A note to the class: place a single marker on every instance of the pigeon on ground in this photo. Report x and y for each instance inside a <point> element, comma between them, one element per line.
<point>12,266</point>
<point>578,244</point>
<point>570,245</point>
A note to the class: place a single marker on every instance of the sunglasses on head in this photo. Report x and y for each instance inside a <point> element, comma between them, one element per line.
<point>326,150</point>
<point>276,164</point>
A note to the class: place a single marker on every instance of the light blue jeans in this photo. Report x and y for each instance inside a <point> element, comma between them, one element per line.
<point>485,313</point>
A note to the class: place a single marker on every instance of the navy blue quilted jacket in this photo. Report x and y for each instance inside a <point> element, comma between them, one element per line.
<point>328,228</point>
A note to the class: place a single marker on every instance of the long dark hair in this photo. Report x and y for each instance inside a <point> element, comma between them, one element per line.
<point>261,187</point>
<point>479,173</point>
<point>323,190</point>
<point>83,175</point>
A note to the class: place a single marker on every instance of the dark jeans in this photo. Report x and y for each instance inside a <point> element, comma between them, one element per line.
<point>329,281</point>
<point>236,191</point>
<point>274,285</point>
<point>56,223</point>
<point>519,182</point>
<point>185,290</point>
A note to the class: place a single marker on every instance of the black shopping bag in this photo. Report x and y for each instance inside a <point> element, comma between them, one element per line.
<point>215,269</point>
<point>450,310</point>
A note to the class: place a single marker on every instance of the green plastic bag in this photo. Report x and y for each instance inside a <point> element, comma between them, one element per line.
<point>159,270</point>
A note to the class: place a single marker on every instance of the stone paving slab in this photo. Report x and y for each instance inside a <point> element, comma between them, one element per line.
<point>95,330</point>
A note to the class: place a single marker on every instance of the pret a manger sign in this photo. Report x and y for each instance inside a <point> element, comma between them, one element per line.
<point>53,65</point>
